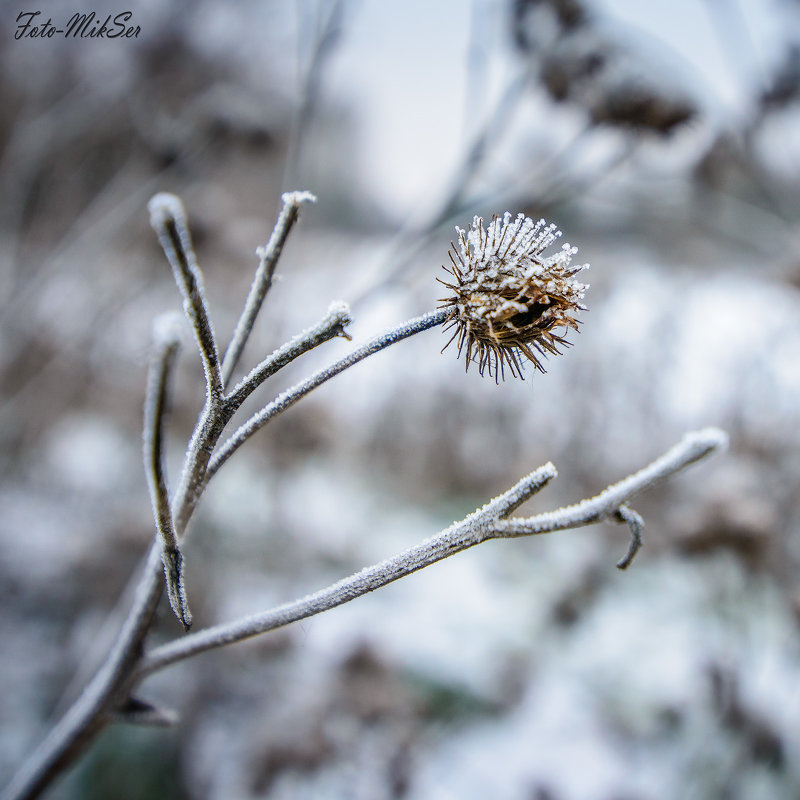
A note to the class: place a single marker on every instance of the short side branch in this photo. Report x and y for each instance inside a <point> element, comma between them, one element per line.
<point>300,390</point>
<point>459,536</point>
<point>168,219</point>
<point>486,523</point>
<point>155,408</point>
<point>267,260</point>
<point>331,325</point>
<point>507,503</point>
<point>693,447</point>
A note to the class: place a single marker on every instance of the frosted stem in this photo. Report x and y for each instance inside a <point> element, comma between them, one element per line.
<point>691,448</point>
<point>155,409</point>
<point>300,390</point>
<point>169,222</point>
<point>107,695</point>
<point>267,260</point>
<point>635,524</point>
<point>486,523</point>
<point>331,325</point>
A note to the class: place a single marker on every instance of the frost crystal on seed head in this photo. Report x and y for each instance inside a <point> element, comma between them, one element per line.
<point>509,301</point>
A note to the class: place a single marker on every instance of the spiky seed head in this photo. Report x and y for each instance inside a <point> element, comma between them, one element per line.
<point>509,301</point>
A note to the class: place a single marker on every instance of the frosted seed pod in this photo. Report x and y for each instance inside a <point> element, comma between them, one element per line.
<point>508,300</point>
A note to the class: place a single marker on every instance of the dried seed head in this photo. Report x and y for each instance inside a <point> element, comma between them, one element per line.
<point>508,301</point>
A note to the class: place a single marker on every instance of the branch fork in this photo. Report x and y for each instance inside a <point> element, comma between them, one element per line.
<point>492,521</point>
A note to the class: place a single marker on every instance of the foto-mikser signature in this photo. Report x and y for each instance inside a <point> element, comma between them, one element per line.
<point>79,26</point>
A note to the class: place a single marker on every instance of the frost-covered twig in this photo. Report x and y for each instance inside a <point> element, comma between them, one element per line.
<point>489,522</point>
<point>267,260</point>
<point>331,325</point>
<point>691,448</point>
<point>218,412</point>
<point>169,222</point>
<point>107,695</point>
<point>454,539</point>
<point>291,396</point>
<point>167,343</point>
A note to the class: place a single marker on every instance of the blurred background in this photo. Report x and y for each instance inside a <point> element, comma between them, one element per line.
<point>664,140</point>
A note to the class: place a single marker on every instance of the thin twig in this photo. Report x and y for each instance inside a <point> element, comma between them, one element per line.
<point>457,537</point>
<point>300,390</point>
<point>507,503</point>
<point>691,448</point>
<point>475,154</point>
<point>109,689</point>
<point>168,219</point>
<point>89,714</point>
<point>155,409</point>
<point>416,235</point>
<point>331,325</point>
<point>207,432</point>
<point>267,260</point>
<point>485,523</point>
<point>218,411</point>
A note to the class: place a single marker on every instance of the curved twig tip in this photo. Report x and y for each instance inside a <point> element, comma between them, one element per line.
<point>635,524</point>
<point>163,206</point>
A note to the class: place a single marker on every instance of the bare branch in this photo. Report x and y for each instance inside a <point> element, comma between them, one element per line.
<point>508,502</point>
<point>107,696</point>
<point>331,325</point>
<point>691,448</point>
<point>167,343</point>
<point>485,523</point>
<point>300,390</point>
<point>168,219</point>
<point>95,707</point>
<point>267,260</point>
<point>459,536</point>
<point>323,34</point>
